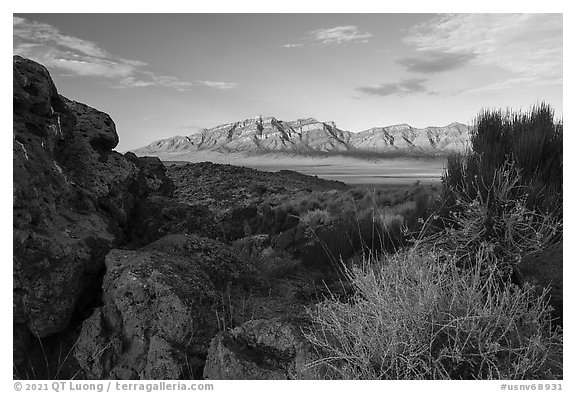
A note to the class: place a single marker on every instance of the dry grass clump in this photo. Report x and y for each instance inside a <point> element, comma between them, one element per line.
<point>416,315</point>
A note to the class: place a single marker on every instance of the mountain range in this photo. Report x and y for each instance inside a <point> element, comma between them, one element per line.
<point>308,136</point>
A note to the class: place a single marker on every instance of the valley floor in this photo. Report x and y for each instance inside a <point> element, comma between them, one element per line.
<point>354,171</point>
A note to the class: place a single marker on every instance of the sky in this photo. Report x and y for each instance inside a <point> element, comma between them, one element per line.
<point>161,75</point>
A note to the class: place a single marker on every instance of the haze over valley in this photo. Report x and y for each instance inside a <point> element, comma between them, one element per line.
<point>392,154</point>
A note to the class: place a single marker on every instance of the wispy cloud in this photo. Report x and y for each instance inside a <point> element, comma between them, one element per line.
<point>436,61</point>
<point>218,85</point>
<point>291,45</point>
<point>339,35</point>
<point>44,43</point>
<point>404,87</point>
<point>528,45</point>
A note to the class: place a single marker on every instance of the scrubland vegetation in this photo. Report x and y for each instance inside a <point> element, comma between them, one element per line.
<point>127,269</point>
<point>409,282</point>
<point>446,305</point>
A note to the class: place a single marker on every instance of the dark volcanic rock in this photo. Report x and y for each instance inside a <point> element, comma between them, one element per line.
<point>220,262</point>
<point>228,186</point>
<point>59,236</point>
<point>158,216</point>
<point>73,199</point>
<point>240,198</point>
<point>160,309</point>
<point>97,127</point>
<point>261,349</point>
<point>152,176</point>
<point>158,316</point>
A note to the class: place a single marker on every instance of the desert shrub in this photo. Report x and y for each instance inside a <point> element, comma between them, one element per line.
<point>416,315</point>
<point>316,217</point>
<point>446,308</point>
<point>422,218</point>
<point>343,205</point>
<point>378,198</point>
<point>309,203</point>
<point>531,142</point>
<point>357,193</point>
<point>391,231</point>
<point>280,218</point>
<point>386,220</point>
<point>274,263</point>
<point>499,218</point>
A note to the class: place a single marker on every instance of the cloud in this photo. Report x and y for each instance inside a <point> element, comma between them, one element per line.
<point>404,87</point>
<point>527,45</point>
<point>291,45</point>
<point>436,61</point>
<point>218,85</point>
<point>130,82</point>
<point>339,35</point>
<point>49,35</point>
<point>45,44</point>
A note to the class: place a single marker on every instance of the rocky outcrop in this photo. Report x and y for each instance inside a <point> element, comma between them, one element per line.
<point>146,308</point>
<point>308,136</point>
<point>226,186</point>
<point>61,233</point>
<point>73,200</point>
<point>160,309</point>
<point>261,349</point>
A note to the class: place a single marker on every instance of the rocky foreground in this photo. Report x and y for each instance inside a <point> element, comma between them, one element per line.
<point>126,269</point>
<point>115,276</point>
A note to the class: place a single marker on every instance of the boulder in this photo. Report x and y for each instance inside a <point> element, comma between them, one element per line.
<point>97,127</point>
<point>219,261</point>
<point>160,309</point>
<point>261,349</point>
<point>157,319</point>
<point>152,176</point>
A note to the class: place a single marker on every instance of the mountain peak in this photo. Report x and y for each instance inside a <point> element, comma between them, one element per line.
<point>259,134</point>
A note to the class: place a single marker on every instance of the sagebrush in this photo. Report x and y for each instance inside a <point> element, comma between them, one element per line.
<point>416,315</point>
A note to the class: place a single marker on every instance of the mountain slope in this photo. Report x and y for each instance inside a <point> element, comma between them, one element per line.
<point>451,138</point>
<point>267,134</point>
